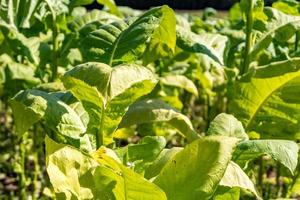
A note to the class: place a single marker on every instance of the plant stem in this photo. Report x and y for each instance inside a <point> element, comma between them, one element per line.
<point>22,176</point>
<point>296,176</point>
<point>54,43</point>
<point>249,39</point>
<point>277,180</point>
<point>260,175</point>
<point>208,108</point>
<point>297,40</point>
<point>99,136</point>
<point>35,191</point>
<point>54,51</point>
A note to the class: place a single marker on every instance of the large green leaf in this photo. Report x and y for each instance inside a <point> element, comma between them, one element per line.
<point>269,102</point>
<point>227,125</point>
<point>283,151</point>
<point>235,177</point>
<point>194,172</point>
<point>75,175</point>
<point>149,111</point>
<point>117,42</point>
<point>106,93</point>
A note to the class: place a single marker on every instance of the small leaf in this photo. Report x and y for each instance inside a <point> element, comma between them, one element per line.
<point>181,82</point>
<point>227,125</point>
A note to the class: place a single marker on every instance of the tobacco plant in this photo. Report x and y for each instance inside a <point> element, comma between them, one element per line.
<point>124,104</point>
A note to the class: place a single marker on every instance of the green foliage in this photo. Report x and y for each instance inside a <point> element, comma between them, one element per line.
<point>132,104</point>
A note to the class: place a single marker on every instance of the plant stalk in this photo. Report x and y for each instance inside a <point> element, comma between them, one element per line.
<point>278,180</point>
<point>22,176</point>
<point>249,39</point>
<point>296,176</point>
<point>260,175</point>
<point>54,52</point>
<point>35,191</point>
<point>207,111</point>
<point>99,135</point>
<point>54,43</point>
<point>296,41</point>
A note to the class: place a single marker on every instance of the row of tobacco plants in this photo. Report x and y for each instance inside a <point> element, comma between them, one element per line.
<point>117,103</point>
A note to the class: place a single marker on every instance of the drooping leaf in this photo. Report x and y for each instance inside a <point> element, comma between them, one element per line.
<point>227,125</point>
<point>108,93</point>
<point>194,172</point>
<point>150,111</point>
<point>283,151</point>
<point>32,106</point>
<point>235,177</point>
<point>75,175</point>
<point>181,82</point>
